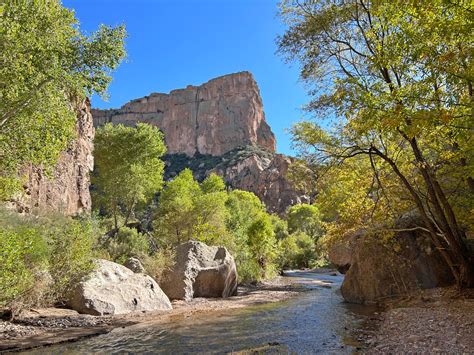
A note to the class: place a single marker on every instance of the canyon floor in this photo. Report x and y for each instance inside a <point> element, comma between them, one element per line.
<point>41,327</point>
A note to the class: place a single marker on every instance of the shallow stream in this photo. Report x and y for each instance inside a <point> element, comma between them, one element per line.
<point>316,321</point>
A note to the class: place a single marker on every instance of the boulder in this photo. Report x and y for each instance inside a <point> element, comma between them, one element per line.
<point>135,265</point>
<point>340,253</point>
<point>380,269</point>
<point>114,289</point>
<point>200,271</point>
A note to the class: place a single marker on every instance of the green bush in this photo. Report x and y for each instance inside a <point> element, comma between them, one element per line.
<point>298,250</point>
<point>71,245</point>
<point>23,254</point>
<point>160,261</point>
<point>42,258</point>
<point>126,243</point>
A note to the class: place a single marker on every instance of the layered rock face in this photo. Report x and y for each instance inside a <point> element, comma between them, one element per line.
<point>66,190</point>
<point>200,271</point>
<point>212,119</point>
<point>216,127</point>
<point>375,270</point>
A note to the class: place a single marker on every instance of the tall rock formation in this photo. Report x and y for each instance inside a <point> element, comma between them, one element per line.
<point>210,119</point>
<point>216,127</point>
<point>66,190</point>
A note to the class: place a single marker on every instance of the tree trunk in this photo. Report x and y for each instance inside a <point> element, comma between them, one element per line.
<point>447,220</point>
<point>452,248</point>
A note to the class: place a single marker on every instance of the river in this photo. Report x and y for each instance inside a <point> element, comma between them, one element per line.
<point>316,321</point>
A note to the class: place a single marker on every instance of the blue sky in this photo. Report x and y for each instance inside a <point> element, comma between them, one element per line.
<point>174,43</point>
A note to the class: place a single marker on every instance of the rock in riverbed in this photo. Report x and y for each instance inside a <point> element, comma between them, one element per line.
<point>377,269</point>
<point>201,271</point>
<point>114,289</point>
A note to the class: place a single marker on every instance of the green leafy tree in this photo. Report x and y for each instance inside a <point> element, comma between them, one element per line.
<point>175,217</point>
<point>128,168</point>
<point>189,210</point>
<point>211,212</point>
<point>262,244</point>
<point>305,218</point>
<point>397,78</point>
<point>254,246</point>
<point>280,227</point>
<point>46,66</point>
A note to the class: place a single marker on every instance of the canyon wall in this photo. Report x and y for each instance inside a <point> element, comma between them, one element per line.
<point>216,127</point>
<point>213,118</point>
<point>66,189</point>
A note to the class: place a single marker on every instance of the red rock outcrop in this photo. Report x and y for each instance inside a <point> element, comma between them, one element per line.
<point>66,190</point>
<point>213,118</point>
<point>216,127</point>
<point>267,178</point>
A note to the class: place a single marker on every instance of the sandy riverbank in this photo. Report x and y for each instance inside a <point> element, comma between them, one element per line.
<point>41,327</point>
<point>432,321</point>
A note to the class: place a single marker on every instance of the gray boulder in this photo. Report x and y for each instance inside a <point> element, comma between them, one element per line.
<point>114,289</point>
<point>135,265</point>
<point>377,269</point>
<point>200,271</point>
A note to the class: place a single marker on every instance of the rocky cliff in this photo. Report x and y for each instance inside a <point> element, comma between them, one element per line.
<point>216,127</point>
<point>213,118</point>
<point>66,190</point>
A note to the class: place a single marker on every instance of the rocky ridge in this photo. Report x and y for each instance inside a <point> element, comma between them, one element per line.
<point>217,127</point>
<point>213,118</point>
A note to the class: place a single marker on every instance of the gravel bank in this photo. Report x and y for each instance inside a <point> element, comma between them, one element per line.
<point>433,321</point>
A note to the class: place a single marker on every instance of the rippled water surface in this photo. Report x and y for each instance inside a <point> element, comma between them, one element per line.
<point>317,321</point>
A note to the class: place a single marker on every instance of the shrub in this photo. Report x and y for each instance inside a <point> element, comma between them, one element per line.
<point>156,264</point>
<point>42,258</point>
<point>126,243</point>
<point>22,255</point>
<point>71,251</point>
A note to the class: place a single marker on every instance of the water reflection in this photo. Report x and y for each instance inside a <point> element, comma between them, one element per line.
<point>316,321</point>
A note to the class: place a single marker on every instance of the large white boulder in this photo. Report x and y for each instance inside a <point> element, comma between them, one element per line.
<point>200,271</point>
<point>114,289</point>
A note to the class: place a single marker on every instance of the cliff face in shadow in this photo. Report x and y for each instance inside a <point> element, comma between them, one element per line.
<point>66,190</point>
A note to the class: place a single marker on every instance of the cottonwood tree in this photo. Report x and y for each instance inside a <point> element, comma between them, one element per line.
<point>396,77</point>
<point>46,66</point>
<point>128,169</point>
<point>189,210</point>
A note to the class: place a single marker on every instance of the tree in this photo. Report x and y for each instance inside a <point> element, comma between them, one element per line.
<point>174,220</point>
<point>305,218</point>
<point>262,244</point>
<point>128,169</point>
<point>189,210</point>
<point>397,78</point>
<point>254,243</point>
<point>46,66</point>
<point>211,212</point>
